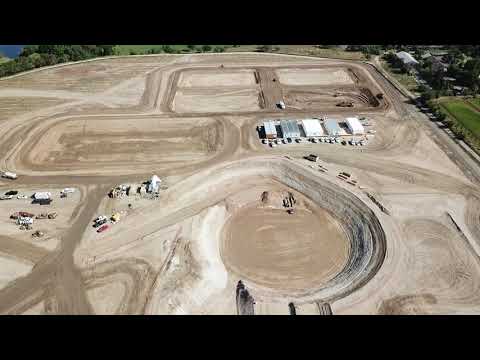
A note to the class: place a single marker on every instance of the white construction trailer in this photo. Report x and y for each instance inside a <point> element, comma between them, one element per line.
<point>332,127</point>
<point>312,128</point>
<point>354,125</point>
<point>290,129</point>
<point>270,130</point>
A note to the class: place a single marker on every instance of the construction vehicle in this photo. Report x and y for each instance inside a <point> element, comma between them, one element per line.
<point>281,105</point>
<point>8,175</point>
<point>24,220</point>
<point>380,96</point>
<point>38,234</point>
<point>312,157</point>
<point>99,223</point>
<point>345,104</point>
<point>22,197</point>
<point>41,216</point>
<point>290,211</point>
<point>52,215</point>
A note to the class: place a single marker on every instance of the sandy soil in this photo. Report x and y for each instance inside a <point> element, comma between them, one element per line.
<point>275,249</point>
<point>325,76</point>
<point>114,121</point>
<point>12,269</point>
<point>199,78</point>
<point>235,100</point>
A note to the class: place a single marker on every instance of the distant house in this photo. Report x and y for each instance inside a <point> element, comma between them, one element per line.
<point>437,64</point>
<point>426,56</point>
<point>407,60</point>
<point>459,90</point>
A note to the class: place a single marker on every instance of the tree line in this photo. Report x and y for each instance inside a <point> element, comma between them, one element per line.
<point>35,56</point>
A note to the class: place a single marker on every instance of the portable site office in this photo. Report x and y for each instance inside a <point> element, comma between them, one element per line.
<point>270,130</point>
<point>290,129</point>
<point>332,127</point>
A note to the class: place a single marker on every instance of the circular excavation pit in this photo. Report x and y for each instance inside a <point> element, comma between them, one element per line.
<point>265,244</point>
<point>329,246</point>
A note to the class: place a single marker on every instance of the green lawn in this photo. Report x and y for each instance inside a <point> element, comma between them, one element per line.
<point>406,80</point>
<point>3,59</point>
<point>464,114</point>
<point>475,102</point>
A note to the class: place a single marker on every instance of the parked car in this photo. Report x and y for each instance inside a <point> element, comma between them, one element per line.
<point>103,228</point>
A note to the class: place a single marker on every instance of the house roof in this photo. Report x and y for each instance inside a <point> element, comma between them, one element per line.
<point>406,58</point>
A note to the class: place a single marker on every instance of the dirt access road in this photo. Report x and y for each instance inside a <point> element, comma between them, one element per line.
<point>408,230</point>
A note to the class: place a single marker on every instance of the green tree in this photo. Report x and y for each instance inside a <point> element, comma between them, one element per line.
<point>206,48</point>
<point>219,49</point>
<point>167,49</point>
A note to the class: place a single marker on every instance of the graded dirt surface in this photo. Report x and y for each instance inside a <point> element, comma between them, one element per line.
<point>274,249</point>
<point>199,78</point>
<point>401,237</point>
<point>327,76</point>
<point>90,142</point>
<point>235,100</point>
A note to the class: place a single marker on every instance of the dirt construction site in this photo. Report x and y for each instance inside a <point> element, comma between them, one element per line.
<point>236,227</point>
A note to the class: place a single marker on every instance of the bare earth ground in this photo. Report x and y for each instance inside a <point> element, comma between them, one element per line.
<point>192,122</point>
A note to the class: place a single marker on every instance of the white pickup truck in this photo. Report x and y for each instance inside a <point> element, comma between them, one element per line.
<point>8,175</point>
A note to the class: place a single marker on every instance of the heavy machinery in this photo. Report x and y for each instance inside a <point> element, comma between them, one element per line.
<point>345,104</point>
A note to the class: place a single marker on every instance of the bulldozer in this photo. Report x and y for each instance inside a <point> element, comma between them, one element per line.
<point>345,104</point>
<point>38,234</point>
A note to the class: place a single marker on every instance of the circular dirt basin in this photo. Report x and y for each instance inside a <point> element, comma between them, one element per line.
<point>284,251</point>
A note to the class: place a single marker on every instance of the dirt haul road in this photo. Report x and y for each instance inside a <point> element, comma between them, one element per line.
<point>402,238</point>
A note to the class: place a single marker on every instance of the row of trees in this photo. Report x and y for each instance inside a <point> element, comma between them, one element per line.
<point>35,56</point>
<point>168,49</point>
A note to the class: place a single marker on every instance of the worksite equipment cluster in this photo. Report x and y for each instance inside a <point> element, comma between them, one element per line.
<point>25,219</point>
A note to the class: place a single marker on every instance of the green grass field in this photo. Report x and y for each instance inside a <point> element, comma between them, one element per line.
<point>308,50</point>
<point>406,80</point>
<point>3,59</point>
<point>475,102</point>
<point>464,114</point>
